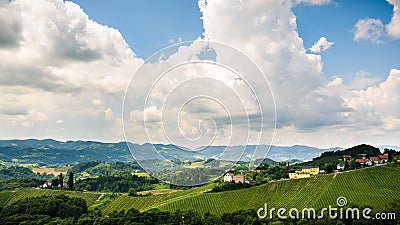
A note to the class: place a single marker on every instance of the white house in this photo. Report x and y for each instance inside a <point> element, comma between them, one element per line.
<point>228,177</point>
<point>340,166</point>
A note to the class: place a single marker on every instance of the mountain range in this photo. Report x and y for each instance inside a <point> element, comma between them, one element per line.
<point>49,151</point>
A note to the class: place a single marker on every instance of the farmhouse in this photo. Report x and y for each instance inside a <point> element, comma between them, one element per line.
<point>365,162</point>
<point>229,177</point>
<point>238,179</point>
<point>306,171</point>
<point>340,166</point>
<point>384,158</point>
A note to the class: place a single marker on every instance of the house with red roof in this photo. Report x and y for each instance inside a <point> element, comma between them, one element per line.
<point>375,159</point>
<point>228,177</point>
<point>238,179</point>
<point>384,158</point>
<point>365,162</point>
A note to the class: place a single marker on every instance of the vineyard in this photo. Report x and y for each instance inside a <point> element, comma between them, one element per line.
<point>144,203</point>
<point>4,197</point>
<point>90,197</point>
<point>372,187</point>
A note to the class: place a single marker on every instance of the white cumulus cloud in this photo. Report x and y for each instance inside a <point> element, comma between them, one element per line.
<point>321,45</point>
<point>393,28</point>
<point>369,29</point>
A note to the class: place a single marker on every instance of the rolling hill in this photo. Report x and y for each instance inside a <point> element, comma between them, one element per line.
<point>374,187</point>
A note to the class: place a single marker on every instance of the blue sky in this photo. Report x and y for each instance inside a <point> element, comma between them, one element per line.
<point>333,65</point>
<point>148,26</point>
<point>336,22</point>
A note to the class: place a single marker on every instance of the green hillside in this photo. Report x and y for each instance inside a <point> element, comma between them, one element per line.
<point>90,197</point>
<point>372,187</point>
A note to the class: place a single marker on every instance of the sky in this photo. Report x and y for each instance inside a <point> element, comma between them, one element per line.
<point>331,65</point>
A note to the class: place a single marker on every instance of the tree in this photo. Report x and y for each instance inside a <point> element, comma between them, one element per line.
<point>71,181</point>
<point>61,180</point>
<point>55,182</point>
<point>132,192</point>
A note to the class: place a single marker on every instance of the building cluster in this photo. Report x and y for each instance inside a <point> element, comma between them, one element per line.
<point>364,160</point>
<point>230,177</point>
<point>304,172</point>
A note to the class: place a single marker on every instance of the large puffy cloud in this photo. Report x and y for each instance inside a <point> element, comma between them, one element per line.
<point>62,75</point>
<point>61,49</point>
<point>55,62</point>
<point>379,104</point>
<point>307,103</point>
<point>10,26</point>
<point>393,28</point>
<point>267,32</point>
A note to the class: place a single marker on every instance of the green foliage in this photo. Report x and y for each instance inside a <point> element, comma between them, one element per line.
<point>132,192</point>
<point>13,172</point>
<point>89,197</point>
<point>4,197</point>
<point>353,151</point>
<point>116,183</point>
<point>70,182</point>
<point>60,206</point>
<point>20,183</point>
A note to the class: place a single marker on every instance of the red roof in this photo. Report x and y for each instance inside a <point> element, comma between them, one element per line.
<point>384,156</point>
<point>361,160</point>
<point>347,156</point>
<point>238,178</point>
<point>375,158</point>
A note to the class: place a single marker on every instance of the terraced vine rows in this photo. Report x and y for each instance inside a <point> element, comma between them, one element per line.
<point>373,187</point>
<point>125,202</point>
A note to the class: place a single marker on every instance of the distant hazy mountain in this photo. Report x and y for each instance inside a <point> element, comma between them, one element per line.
<point>383,147</point>
<point>50,151</point>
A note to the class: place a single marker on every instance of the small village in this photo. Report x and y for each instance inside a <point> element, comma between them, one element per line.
<point>361,161</point>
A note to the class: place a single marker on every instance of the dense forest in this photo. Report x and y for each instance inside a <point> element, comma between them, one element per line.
<point>121,182</point>
<point>14,172</point>
<point>18,183</point>
<point>43,208</point>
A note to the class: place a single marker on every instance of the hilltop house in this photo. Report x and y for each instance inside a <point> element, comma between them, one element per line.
<point>384,158</point>
<point>369,161</point>
<point>306,171</point>
<point>46,184</point>
<point>347,158</point>
<point>365,162</point>
<point>229,177</point>
<point>340,166</point>
<point>375,159</point>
